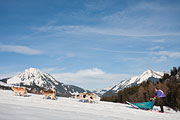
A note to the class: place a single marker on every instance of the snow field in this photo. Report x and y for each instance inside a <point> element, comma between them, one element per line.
<point>34,107</point>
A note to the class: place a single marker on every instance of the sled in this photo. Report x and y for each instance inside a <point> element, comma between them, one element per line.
<point>146,106</point>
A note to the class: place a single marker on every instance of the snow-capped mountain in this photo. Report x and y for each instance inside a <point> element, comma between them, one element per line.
<point>32,77</point>
<point>36,80</point>
<point>147,75</point>
<point>100,92</point>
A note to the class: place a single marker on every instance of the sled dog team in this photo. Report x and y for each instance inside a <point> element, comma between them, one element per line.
<point>21,91</point>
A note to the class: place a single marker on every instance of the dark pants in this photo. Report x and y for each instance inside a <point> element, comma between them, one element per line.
<point>162,102</point>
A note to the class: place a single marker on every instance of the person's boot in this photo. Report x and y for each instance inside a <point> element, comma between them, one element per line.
<point>162,110</point>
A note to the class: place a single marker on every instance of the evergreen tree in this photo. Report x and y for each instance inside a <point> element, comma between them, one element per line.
<point>165,77</point>
<point>141,93</point>
<point>174,71</point>
<point>150,90</point>
<point>178,69</point>
<point>178,98</point>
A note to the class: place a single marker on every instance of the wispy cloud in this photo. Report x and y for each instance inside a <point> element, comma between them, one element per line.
<point>158,53</point>
<point>117,51</point>
<point>143,19</point>
<point>68,55</point>
<point>160,59</point>
<point>160,40</point>
<point>79,29</point>
<point>169,54</point>
<point>156,48</point>
<point>19,49</point>
<point>146,19</point>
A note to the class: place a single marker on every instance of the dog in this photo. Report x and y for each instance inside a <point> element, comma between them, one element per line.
<point>50,93</point>
<point>19,91</point>
<point>90,97</point>
<point>81,95</point>
<point>85,96</point>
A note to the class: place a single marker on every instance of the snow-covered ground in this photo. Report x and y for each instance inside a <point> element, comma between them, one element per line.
<point>33,107</point>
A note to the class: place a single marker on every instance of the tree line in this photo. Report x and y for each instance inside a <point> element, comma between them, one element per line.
<point>169,83</point>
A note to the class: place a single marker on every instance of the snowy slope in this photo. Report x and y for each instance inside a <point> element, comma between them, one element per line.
<point>147,75</point>
<point>34,107</point>
<point>37,79</point>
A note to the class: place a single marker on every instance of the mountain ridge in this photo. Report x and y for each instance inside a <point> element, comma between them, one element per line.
<point>135,80</point>
<point>35,80</point>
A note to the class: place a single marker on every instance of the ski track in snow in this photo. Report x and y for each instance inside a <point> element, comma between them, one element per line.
<point>34,107</point>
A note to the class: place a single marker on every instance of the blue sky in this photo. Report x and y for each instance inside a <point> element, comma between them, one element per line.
<point>89,43</point>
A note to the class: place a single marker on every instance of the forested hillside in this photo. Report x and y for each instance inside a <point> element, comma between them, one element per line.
<point>169,83</point>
